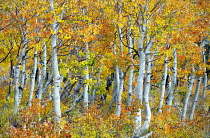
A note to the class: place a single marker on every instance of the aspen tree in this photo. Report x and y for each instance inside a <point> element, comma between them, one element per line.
<point>17,97</point>
<point>33,79</point>
<point>195,98</point>
<point>173,84</point>
<point>43,73</point>
<point>130,79</point>
<point>187,96</point>
<point>86,78</point>
<point>56,75</point>
<point>163,85</point>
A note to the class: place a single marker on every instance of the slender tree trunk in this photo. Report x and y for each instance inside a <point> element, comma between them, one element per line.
<point>146,93</point>
<point>205,83</point>
<point>147,109</point>
<point>23,77</point>
<point>56,75</point>
<point>140,80</point>
<point>86,77</point>
<point>186,99</point>
<point>85,96</point>
<point>56,79</point>
<point>130,91</point>
<point>119,93</point>
<point>205,78</point>
<point>139,89</point>
<point>130,79</point>
<point>43,73</point>
<point>17,75</point>
<point>120,37</point>
<point>195,99</point>
<point>117,84</point>
<point>163,85</point>
<point>173,85</point>
<point>16,81</point>
<point>33,79</point>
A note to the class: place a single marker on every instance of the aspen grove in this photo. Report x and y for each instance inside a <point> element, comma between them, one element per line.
<point>105,68</point>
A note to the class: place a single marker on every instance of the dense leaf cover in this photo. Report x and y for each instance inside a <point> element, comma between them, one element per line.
<point>104,68</point>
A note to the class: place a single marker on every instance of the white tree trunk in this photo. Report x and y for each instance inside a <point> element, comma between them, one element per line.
<point>205,83</point>
<point>86,77</point>
<point>205,78</point>
<point>195,99</point>
<point>120,37</point>
<point>146,93</point>
<point>119,94</point>
<point>147,109</point>
<point>163,86</point>
<point>173,84</point>
<point>23,77</point>
<point>56,75</point>
<point>117,86</point>
<point>130,91</point>
<point>43,73</point>
<point>186,99</point>
<point>32,79</point>
<point>130,79</point>
<point>140,79</point>
<point>17,97</point>
<point>139,130</point>
<point>139,89</point>
<point>16,89</point>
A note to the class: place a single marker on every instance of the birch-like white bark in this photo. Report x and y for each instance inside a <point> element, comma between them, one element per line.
<point>130,91</point>
<point>17,98</point>
<point>146,93</point>
<point>205,83</point>
<point>147,109</point>
<point>173,84</point>
<point>43,73</point>
<point>16,89</point>
<point>56,79</point>
<point>86,77</point>
<point>140,82</point>
<point>163,86</point>
<point>117,85</point>
<point>119,94</point>
<point>205,78</point>
<point>56,75</point>
<point>32,80</point>
<point>130,79</point>
<point>120,37</point>
<point>119,74</point>
<point>23,77</point>
<point>187,96</point>
<point>140,79</point>
<point>195,98</point>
